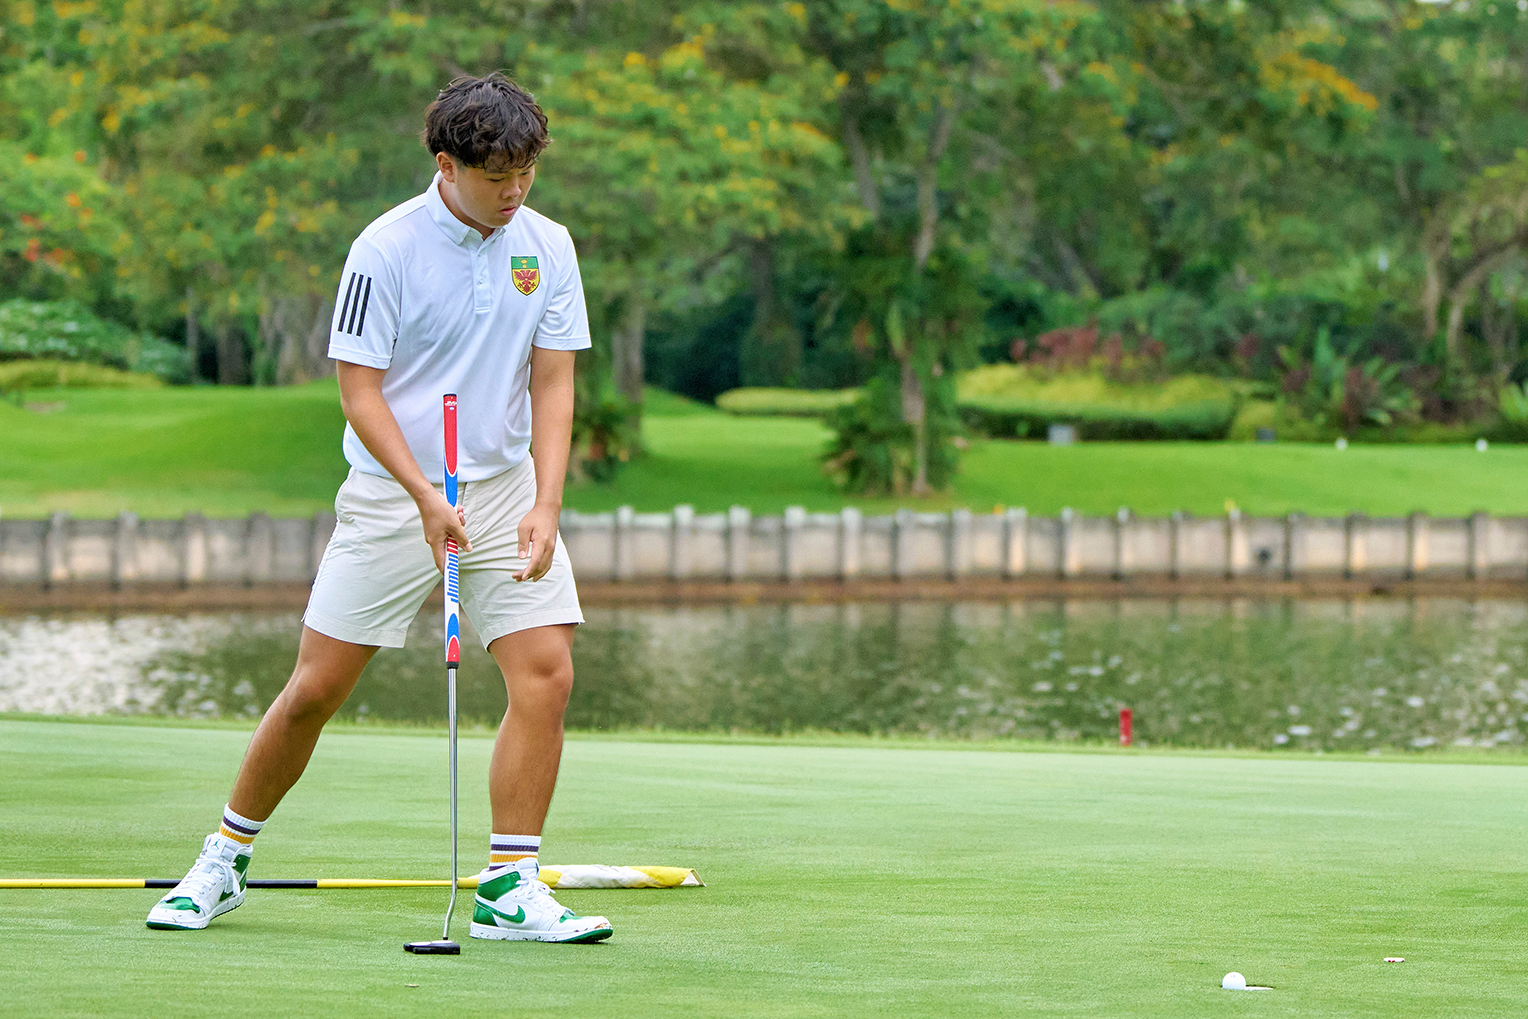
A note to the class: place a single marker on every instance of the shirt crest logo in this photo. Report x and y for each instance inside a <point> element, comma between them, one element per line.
<point>525,272</point>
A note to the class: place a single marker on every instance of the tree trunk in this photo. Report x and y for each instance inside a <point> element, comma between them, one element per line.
<point>1459,294</point>
<point>193,334</point>
<point>296,331</point>
<point>928,188</point>
<point>626,349</point>
<point>859,158</point>
<point>1494,323</point>
<point>914,404</point>
<point>233,365</point>
<point>772,348</point>
<point>915,413</point>
<point>1434,253</point>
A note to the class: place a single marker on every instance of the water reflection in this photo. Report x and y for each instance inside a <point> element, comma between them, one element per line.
<point>1309,674</point>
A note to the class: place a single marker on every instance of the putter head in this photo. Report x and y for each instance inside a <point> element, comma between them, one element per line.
<point>433,948</point>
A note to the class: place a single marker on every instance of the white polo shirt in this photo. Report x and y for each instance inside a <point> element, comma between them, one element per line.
<point>426,297</point>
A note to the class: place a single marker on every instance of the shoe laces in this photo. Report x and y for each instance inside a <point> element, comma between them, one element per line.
<point>210,876</point>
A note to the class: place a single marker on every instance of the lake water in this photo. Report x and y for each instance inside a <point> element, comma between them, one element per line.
<point>1370,674</point>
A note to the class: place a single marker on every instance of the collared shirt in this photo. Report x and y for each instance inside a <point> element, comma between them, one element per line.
<point>446,310</point>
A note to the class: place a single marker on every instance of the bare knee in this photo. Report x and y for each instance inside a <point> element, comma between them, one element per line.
<point>538,670</point>
<point>548,683</point>
<point>541,684</point>
<point>310,698</point>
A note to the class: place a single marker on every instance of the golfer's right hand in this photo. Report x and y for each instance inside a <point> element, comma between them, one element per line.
<point>442,522</point>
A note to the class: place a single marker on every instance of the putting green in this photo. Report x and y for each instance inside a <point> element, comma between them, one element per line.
<point>844,881</point>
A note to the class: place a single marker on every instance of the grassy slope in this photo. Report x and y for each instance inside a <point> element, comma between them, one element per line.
<point>843,881</point>
<point>229,451</point>
<point>223,451</point>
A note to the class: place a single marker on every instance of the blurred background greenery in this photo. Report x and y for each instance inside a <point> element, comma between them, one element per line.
<point>1185,219</point>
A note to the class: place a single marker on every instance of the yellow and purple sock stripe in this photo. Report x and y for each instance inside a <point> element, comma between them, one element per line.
<point>239,829</point>
<point>504,849</point>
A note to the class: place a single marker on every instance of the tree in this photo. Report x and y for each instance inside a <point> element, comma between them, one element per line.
<point>924,90</point>
<point>665,169</point>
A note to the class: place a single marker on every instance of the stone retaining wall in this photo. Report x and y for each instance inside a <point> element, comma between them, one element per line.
<point>629,547</point>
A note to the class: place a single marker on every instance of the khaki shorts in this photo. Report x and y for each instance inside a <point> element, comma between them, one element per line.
<point>378,570</point>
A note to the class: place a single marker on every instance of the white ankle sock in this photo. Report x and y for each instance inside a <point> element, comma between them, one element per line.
<point>509,850</point>
<point>239,828</point>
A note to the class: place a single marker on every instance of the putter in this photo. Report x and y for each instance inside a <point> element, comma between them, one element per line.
<point>445,946</point>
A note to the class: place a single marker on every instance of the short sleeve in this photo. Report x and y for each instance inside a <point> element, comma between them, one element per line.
<point>565,323</point>
<point>365,327</point>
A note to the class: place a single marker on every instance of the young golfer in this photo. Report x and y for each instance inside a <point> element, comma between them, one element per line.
<point>462,290</point>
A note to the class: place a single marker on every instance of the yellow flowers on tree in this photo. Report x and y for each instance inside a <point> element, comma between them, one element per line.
<point>670,169</point>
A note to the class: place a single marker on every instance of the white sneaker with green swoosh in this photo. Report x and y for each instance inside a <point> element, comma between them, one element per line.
<point>511,905</point>
<point>213,886</point>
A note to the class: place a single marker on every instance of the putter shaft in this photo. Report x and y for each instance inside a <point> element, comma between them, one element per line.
<point>451,731</point>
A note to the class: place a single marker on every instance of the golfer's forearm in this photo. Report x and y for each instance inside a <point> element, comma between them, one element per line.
<point>368,413</point>
<point>551,421</point>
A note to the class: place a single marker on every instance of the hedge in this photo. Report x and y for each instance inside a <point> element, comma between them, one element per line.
<point>785,402</point>
<point>53,374</point>
<point>1000,418</point>
<point>67,331</point>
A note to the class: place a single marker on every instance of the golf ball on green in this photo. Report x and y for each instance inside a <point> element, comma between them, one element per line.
<point>1233,981</point>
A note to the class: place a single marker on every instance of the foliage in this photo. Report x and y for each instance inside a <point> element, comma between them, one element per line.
<point>42,373</point>
<point>875,450</point>
<point>1288,425</point>
<point>1019,402</point>
<point>792,402</point>
<point>605,434</point>
<point>64,330</point>
<point>1329,390</point>
<point>823,188</point>
<point>1512,414</point>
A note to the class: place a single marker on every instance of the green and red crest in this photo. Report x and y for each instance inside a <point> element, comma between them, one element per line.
<point>525,272</point>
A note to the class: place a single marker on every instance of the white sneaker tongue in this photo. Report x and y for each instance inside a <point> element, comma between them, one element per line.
<point>223,846</point>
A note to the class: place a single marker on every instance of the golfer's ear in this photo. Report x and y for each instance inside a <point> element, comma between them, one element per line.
<point>447,166</point>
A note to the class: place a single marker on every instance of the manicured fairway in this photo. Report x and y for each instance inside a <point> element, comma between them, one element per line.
<point>844,881</point>
<point>229,451</point>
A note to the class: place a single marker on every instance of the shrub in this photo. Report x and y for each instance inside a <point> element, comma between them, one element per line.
<point>606,427</point>
<point>787,402</point>
<point>875,451</point>
<point>1328,390</point>
<point>67,331</point>
<point>1289,426</point>
<point>1019,402</point>
<point>1511,414</point>
<point>51,374</point>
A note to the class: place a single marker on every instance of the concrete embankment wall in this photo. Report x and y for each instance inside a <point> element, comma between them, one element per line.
<point>845,549</point>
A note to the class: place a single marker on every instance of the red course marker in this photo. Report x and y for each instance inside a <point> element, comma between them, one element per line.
<point>1125,715</point>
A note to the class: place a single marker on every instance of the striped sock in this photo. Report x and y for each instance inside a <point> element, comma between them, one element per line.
<point>508,850</point>
<point>239,828</point>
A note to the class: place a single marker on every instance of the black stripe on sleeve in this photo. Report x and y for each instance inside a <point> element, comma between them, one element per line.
<point>345,309</point>
<point>365,303</point>
<point>355,309</point>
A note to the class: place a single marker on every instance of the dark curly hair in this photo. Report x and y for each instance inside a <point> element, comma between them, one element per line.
<point>480,122</point>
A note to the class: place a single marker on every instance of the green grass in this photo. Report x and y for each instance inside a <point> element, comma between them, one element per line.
<point>844,881</point>
<point>228,451</point>
<point>221,451</point>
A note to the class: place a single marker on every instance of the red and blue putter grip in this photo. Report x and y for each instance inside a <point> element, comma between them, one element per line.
<point>453,561</point>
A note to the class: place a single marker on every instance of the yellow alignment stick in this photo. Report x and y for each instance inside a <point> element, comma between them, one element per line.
<point>566,876</point>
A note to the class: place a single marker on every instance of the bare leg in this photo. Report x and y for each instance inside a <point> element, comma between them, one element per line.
<point>326,672</point>
<point>538,672</point>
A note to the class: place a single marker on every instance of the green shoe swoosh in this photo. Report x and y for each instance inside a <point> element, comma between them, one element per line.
<point>519,916</point>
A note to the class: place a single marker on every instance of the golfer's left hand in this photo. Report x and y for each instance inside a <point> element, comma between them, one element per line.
<point>538,540</point>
